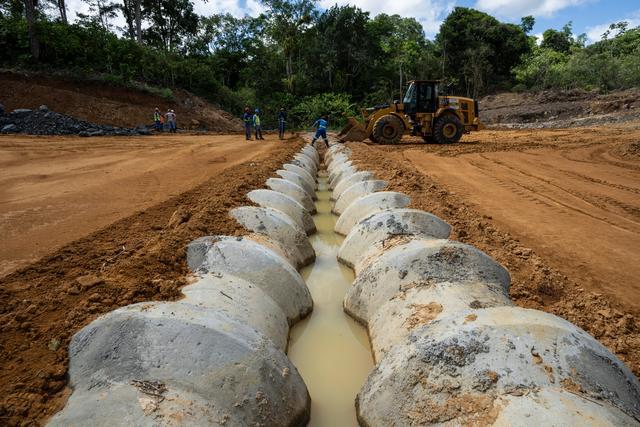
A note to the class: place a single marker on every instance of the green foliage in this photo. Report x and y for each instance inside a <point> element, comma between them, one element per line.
<point>336,106</point>
<point>309,60</point>
<point>527,23</point>
<point>606,65</point>
<point>479,51</point>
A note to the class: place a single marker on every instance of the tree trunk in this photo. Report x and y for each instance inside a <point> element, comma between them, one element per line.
<point>62,7</point>
<point>34,43</point>
<point>138,18</point>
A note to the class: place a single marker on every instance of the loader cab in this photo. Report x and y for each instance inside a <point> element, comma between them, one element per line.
<point>421,97</point>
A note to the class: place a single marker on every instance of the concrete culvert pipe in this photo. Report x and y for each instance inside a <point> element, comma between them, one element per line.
<point>286,204</point>
<point>255,263</point>
<point>305,162</point>
<point>364,206</point>
<point>243,301</point>
<point>306,174</point>
<point>176,364</point>
<point>338,168</point>
<point>311,152</point>
<point>294,191</point>
<point>469,367</point>
<point>356,191</point>
<point>341,174</point>
<point>279,227</point>
<point>337,162</point>
<point>347,182</point>
<point>308,160</point>
<point>382,229</point>
<point>303,165</point>
<point>418,263</point>
<point>334,150</point>
<point>414,305</point>
<point>300,180</point>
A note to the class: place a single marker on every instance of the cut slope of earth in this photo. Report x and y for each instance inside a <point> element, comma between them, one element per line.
<point>106,104</point>
<point>140,257</point>
<point>559,109</point>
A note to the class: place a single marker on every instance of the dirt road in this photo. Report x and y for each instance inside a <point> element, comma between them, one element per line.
<point>579,207</point>
<point>56,190</point>
<point>559,208</point>
<point>114,217</point>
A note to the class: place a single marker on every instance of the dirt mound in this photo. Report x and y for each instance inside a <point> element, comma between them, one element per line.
<point>555,109</point>
<point>105,104</point>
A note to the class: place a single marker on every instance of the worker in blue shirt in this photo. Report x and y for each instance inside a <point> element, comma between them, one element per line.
<point>282,118</point>
<point>321,126</point>
<point>247,118</point>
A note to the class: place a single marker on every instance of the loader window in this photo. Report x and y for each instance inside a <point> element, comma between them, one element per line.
<point>410,95</point>
<point>425,98</point>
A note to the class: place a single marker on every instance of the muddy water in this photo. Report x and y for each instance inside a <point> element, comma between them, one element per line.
<point>329,349</point>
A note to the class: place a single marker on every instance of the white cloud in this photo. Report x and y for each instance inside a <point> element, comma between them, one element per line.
<point>515,9</point>
<point>595,32</point>
<point>237,8</point>
<point>430,13</point>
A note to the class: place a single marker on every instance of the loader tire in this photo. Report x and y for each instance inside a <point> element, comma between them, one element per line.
<point>448,129</point>
<point>387,130</point>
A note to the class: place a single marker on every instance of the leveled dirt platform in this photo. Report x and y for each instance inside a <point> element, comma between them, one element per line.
<point>560,209</point>
<point>161,199</point>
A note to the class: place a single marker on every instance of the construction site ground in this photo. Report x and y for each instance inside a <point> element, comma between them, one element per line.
<point>90,225</point>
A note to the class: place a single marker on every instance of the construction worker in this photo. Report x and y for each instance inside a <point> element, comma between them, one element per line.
<point>157,117</point>
<point>256,124</point>
<point>247,118</point>
<point>282,119</point>
<point>321,125</point>
<point>171,120</point>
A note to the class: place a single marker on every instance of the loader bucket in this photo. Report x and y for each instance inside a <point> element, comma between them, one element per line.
<point>353,131</point>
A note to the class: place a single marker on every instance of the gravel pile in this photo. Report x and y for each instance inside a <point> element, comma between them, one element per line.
<point>45,122</point>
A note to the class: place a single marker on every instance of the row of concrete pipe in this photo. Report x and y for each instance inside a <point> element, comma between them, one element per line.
<point>217,356</point>
<point>449,346</point>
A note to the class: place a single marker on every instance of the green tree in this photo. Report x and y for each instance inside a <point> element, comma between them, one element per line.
<point>288,22</point>
<point>478,51</point>
<point>173,24</point>
<point>527,23</point>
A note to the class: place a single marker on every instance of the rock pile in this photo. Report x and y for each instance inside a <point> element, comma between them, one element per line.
<point>45,122</point>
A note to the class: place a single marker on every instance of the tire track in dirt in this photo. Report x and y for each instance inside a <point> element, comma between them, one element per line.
<point>580,197</point>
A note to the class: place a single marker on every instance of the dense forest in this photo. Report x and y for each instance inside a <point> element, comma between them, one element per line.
<point>305,58</point>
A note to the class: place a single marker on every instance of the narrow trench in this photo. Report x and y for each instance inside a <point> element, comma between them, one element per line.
<point>330,349</point>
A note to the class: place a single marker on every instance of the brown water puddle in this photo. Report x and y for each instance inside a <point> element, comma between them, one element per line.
<point>330,350</point>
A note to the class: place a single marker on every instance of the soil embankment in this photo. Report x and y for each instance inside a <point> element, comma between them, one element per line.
<point>160,198</point>
<point>559,109</point>
<point>558,208</point>
<point>110,105</point>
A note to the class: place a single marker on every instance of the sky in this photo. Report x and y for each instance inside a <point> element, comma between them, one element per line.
<point>591,17</point>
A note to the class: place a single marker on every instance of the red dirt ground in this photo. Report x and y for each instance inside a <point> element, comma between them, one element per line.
<point>160,199</point>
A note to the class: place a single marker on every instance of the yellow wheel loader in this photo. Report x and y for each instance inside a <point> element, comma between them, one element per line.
<point>422,112</point>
